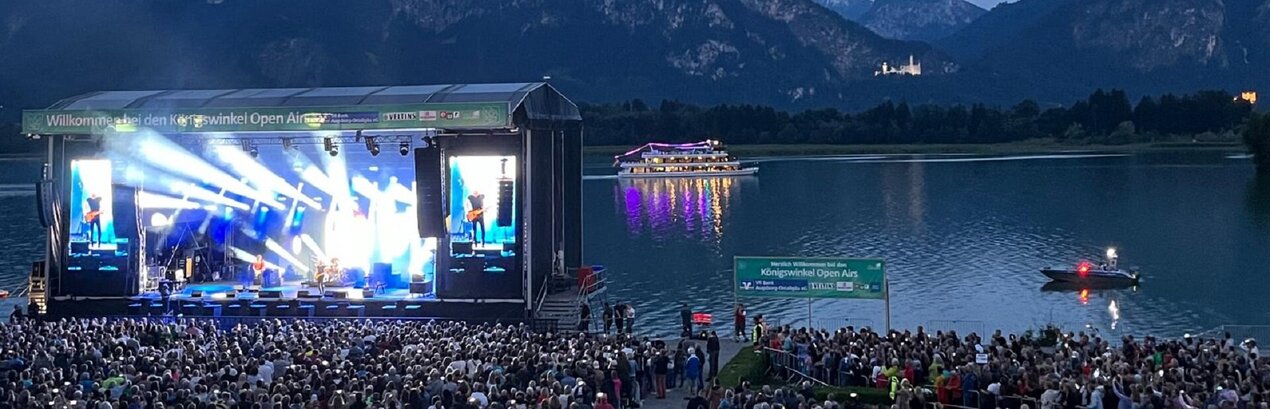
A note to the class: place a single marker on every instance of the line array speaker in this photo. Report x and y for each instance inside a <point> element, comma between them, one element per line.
<point>506,202</point>
<point>428,191</point>
<point>44,202</point>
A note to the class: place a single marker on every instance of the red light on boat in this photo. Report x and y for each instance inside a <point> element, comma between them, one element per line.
<point>1083,269</point>
<point>1084,296</point>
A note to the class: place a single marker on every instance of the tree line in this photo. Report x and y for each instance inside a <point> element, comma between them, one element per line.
<point>1105,117</point>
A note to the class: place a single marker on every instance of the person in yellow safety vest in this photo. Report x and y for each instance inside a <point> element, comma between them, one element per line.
<point>758,331</point>
<point>895,385</point>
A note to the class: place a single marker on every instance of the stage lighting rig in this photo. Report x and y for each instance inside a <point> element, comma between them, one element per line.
<point>250,147</point>
<point>372,145</point>
<point>287,144</point>
<point>328,144</point>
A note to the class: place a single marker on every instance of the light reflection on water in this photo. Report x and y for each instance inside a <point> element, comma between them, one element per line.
<point>695,206</point>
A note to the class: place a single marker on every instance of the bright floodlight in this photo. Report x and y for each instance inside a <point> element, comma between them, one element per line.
<point>159,220</point>
<point>1111,252</point>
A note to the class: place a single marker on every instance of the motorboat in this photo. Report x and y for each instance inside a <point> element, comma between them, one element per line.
<point>1107,273</point>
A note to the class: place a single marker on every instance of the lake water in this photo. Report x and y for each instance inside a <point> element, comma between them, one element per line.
<point>963,237</point>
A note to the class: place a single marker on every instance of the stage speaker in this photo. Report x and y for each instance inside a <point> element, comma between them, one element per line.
<point>271,294</point>
<point>506,202</point>
<point>461,247</point>
<point>44,201</point>
<point>307,294</point>
<point>196,294</point>
<point>368,293</point>
<point>125,211</point>
<point>79,247</point>
<point>339,295</point>
<point>420,288</point>
<point>231,294</point>
<point>428,192</point>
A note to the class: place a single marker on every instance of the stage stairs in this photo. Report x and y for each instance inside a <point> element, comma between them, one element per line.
<point>564,304</point>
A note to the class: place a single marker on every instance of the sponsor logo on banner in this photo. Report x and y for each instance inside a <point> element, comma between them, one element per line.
<point>845,286</point>
<point>401,116</point>
<point>428,115</point>
<point>476,114</point>
<point>449,115</point>
<point>352,117</point>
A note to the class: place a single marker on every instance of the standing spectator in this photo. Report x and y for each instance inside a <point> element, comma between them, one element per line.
<point>602,402</point>
<point>712,346</point>
<point>608,317</point>
<point>692,372</point>
<point>685,318</point>
<point>758,333</point>
<point>619,313</point>
<point>661,366</point>
<point>738,319</point>
<point>584,322</point>
<point>16,315</point>
<point>33,310</point>
<point>630,319</point>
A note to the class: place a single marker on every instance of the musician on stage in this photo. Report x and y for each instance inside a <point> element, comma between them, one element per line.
<point>476,215</point>
<point>325,273</point>
<point>93,218</point>
<point>258,269</point>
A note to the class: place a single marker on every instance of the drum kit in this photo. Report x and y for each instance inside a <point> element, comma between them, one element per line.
<point>329,272</point>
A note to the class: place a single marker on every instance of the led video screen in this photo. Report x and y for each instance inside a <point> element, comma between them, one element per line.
<point>483,216</point>
<point>92,221</point>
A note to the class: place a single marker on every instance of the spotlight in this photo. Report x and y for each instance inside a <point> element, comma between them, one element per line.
<point>404,148</point>
<point>287,144</point>
<point>372,146</point>
<point>328,144</point>
<point>335,150</point>
<point>249,147</point>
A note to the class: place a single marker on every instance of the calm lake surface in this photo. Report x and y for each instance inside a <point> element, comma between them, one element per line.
<point>963,236</point>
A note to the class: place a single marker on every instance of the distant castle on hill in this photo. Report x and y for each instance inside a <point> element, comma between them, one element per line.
<point>913,68</point>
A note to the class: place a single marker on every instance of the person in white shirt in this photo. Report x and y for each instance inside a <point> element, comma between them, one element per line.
<point>266,372</point>
<point>479,395</point>
<point>630,318</point>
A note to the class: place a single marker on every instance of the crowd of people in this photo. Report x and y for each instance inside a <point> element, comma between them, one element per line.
<point>190,363</point>
<point>1049,370</point>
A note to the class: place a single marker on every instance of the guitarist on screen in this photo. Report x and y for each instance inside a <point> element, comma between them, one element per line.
<point>476,216</point>
<point>93,218</point>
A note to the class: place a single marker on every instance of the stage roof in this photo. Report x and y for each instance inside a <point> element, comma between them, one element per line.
<point>403,107</point>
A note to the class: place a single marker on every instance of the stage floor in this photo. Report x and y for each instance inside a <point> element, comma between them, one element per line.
<point>216,291</point>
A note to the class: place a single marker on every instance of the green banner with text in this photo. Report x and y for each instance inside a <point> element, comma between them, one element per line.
<point>273,119</point>
<point>796,277</point>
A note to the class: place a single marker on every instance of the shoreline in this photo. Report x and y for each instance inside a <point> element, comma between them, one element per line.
<point>1039,146</point>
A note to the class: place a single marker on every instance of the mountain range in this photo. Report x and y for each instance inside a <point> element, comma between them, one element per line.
<point>787,53</point>
<point>925,20</point>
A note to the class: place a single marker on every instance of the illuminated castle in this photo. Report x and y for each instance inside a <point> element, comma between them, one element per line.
<point>1248,96</point>
<point>913,68</point>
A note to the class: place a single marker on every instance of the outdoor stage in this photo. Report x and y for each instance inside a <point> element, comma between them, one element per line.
<point>451,201</point>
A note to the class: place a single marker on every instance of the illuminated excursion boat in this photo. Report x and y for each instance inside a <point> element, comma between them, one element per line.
<point>1107,273</point>
<point>705,158</point>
